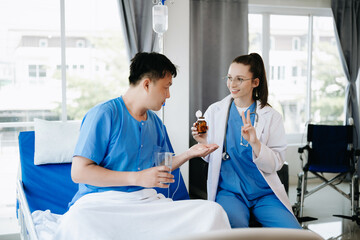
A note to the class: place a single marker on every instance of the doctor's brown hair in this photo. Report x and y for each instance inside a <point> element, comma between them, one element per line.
<point>257,68</point>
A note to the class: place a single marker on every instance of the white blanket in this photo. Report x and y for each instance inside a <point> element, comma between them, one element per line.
<point>137,215</point>
<point>45,224</point>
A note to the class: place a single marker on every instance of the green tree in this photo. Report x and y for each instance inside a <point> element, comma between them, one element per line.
<point>328,85</point>
<point>85,92</point>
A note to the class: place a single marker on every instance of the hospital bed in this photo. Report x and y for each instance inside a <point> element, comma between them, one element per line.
<point>49,187</point>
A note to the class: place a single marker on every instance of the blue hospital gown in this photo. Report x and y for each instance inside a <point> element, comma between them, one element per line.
<point>115,140</point>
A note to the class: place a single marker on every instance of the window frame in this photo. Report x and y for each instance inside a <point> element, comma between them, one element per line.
<point>295,8</point>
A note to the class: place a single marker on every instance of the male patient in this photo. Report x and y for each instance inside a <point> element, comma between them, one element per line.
<point>114,166</point>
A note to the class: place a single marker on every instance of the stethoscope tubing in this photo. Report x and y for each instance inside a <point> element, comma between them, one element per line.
<point>225,155</point>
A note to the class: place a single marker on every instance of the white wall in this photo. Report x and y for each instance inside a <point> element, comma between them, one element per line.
<point>176,48</point>
<point>293,160</point>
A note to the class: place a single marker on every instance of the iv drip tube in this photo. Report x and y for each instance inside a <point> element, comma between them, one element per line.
<point>160,26</point>
<point>160,22</point>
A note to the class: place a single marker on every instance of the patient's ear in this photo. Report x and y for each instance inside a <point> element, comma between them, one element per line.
<point>146,84</point>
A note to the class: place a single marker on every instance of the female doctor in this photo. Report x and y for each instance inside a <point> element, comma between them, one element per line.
<point>242,174</point>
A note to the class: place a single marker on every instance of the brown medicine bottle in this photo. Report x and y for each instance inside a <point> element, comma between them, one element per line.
<point>201,125</point>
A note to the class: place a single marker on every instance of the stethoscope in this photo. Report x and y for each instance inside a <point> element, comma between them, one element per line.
<point>225,155</point>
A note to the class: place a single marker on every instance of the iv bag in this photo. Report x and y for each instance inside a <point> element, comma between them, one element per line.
<point>160,18</point>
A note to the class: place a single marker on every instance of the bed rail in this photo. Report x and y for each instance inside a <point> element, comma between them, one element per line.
<point>27,231</point>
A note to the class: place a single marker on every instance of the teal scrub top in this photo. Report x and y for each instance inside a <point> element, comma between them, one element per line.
<point>239,174</point>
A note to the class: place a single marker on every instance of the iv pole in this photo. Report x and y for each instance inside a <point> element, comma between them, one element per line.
<point>160,26</point>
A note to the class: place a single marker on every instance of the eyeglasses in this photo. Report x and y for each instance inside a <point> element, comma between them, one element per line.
<point>237,79</point>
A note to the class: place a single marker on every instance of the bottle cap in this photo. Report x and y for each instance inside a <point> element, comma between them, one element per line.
<point>198,114</point>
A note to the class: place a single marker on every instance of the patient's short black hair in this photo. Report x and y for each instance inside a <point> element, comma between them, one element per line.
<point>152,65</point>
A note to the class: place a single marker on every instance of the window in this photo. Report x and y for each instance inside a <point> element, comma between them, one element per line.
<point>294,71</point>
<point>32,70</point>
<point>296,44</point>
<point>80,43</point>
<point>34,89</point>
<point>272,70</point>
<point>255,32</point>
<point>42,71</point>
<point>328,80</point>
<point>43,42</point>
<point>37,71</point>
<point>272,43</point>
<point>289,61</point>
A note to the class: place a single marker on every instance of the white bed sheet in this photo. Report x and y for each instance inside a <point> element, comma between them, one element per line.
<point>45,223</point>
<point>137,215</point>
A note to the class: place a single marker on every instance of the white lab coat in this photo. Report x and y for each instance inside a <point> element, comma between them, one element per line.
<point>269,130</point>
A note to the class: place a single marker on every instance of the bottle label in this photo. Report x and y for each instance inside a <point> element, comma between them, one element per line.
<point>201,126</point>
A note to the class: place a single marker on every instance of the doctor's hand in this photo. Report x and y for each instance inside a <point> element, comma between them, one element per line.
<point>248,132</point>
<point>155,177</point>
<point>200,138</point>
<point>201,150</point>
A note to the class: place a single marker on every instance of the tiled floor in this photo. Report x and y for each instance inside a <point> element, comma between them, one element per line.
<point>321,205</point>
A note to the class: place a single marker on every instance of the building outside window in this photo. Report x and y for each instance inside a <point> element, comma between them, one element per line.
<point>291,71</point>
<point>296,43</point>
<point>294,71</point>
<point>33,71</point>
<point>43,42</point>
<point>34,90</point>
<point>272,43</point>
<point>34,87</point>
<point>80,43</point>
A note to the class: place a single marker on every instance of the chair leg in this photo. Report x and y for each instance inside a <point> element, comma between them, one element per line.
<point>296,207</point>
<point>303,191</point>
<point>354,200</point>
<point>355,197</point>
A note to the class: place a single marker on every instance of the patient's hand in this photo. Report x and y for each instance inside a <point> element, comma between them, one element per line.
<point>155,177</point>
<point>201,150</point>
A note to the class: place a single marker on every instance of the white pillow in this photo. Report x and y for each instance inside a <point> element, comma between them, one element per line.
<point>55,141</point>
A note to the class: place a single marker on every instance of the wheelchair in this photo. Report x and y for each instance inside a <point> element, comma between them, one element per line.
<point>329,149</point>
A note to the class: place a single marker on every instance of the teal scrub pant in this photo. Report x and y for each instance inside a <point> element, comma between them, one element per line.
<point>267,210</point>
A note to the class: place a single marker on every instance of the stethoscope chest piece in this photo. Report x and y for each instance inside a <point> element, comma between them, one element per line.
<point>225,156</point>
